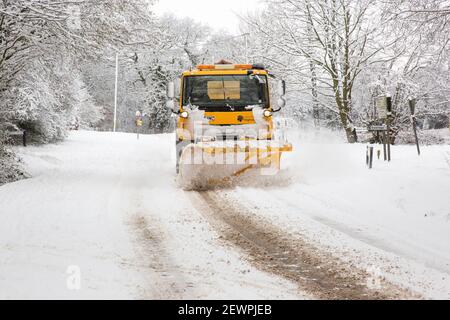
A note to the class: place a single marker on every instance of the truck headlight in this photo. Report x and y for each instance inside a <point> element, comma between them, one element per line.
<point>184,115</point>
<point>267,113</point>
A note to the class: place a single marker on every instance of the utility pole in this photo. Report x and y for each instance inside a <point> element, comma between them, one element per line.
<point>115,93</point>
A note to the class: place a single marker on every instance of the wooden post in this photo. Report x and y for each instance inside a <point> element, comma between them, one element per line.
<point>371,158</point>
<point>388,136</point>
<point>367,156</point>
<point>388,124</point>
<point>24,138</point>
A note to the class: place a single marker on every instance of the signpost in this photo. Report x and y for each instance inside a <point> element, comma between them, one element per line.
<point>383,106</point>
<point>388,124</point>
<point>376,128</point>
<point>384,109</point>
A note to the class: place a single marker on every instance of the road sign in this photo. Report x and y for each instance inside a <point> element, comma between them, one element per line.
<point>378,128</point>
<point>382,106</point>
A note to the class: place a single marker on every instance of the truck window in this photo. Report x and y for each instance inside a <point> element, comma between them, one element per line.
<point>219,93</point>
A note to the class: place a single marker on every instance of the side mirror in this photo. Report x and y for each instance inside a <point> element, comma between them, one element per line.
<point>171,90</point>
<point>281,87</point>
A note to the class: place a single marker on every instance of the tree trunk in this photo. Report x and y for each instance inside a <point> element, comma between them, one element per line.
<point>312,69</point>
<point>314,93</point>
<point>352,137</point>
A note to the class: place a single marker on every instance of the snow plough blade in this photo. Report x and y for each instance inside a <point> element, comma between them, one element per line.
<point>207,164</point>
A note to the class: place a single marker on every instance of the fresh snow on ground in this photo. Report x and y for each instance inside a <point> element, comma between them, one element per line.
<point>398,212</point>
<point>109,204</point>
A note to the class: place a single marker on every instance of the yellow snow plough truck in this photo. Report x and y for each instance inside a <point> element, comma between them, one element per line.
<point>225,124</point>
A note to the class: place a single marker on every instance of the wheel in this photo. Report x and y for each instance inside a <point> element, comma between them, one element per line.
<point>180,145</point>
<point>179,150</point>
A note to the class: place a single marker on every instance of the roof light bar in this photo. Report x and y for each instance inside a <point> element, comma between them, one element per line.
<point>228,67</point>
<point>225,67</point>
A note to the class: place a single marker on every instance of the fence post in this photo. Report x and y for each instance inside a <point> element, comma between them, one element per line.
<point>24,138</point>
<point>370,157</point>
<point>367,156</point>
<point>388,123</point>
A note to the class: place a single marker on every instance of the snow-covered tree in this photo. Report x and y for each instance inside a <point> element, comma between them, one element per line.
<point>43,46</point>
<point>331,51</point>
<point>329,42</point>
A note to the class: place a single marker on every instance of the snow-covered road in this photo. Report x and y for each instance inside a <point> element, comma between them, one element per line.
<point>105,209</point>
<point>108,206</point>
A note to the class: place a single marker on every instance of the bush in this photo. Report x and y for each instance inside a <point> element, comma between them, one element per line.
<point>10,169</point>
<point>426,137</point>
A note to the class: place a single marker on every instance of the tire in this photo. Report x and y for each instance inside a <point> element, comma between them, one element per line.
<point>180,145</point>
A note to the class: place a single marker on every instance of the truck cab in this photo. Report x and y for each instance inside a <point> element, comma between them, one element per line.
<point>234,99</point>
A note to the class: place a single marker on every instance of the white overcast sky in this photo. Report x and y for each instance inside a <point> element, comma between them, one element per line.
<point>219,14</point>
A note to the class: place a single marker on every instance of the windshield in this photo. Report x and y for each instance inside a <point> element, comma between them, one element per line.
<point>225,93</point>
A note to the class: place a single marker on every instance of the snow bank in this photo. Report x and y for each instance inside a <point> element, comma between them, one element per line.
<point>401,207</point>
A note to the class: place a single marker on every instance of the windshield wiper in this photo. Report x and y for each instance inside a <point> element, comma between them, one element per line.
<point>229,106</point>
<point>191,106</point>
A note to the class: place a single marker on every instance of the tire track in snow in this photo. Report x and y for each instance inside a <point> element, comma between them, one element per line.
<point>272,250</point>
<point>179,259</point>
<point>164,280</point>
<point>158,277</point>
